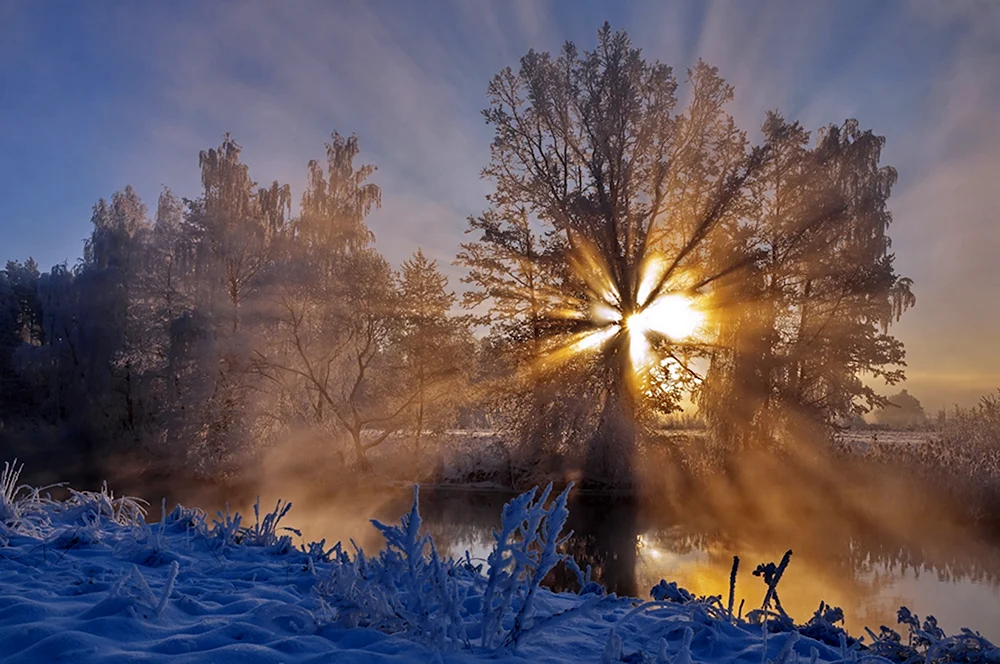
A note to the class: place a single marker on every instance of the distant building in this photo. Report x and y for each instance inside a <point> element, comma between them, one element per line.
<point>904,410</point>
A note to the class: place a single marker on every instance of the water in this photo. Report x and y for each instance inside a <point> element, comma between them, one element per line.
<point>630,548</point>
<point>868,571</point>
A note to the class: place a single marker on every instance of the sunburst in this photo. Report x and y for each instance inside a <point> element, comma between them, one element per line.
<point>660,314</point>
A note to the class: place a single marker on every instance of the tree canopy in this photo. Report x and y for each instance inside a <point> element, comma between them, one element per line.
<point>637,250</point>
<point>615,210</point>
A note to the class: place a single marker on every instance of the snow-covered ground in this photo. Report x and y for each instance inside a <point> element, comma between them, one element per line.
<point>88,579</point>
<point>862,439</point>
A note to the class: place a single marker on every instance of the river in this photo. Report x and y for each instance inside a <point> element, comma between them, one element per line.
<point>630,547</point>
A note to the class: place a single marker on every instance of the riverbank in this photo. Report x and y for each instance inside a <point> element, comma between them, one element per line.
<point>90,578</point>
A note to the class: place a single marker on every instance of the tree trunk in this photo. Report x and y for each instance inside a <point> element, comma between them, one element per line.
<point>360,459</point>
<point>420,428</point>
<point>420,416</point>
<point>611,454</point>
<point>539,437</point>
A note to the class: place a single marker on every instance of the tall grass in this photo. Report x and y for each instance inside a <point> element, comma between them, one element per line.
<point>960,460</point>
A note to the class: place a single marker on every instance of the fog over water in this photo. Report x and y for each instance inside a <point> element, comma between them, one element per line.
<point>630,546</point>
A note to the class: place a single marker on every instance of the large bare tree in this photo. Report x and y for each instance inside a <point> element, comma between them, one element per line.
<point>644,216</point>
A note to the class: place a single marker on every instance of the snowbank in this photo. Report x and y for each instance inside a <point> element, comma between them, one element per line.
<point>89,579</point>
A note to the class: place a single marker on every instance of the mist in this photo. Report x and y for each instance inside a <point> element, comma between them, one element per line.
<point>692,260</point>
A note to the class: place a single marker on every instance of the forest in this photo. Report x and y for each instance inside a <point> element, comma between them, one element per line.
<point>638,252</point>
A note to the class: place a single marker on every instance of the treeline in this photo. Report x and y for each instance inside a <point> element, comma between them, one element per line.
<point>226,321</point>
<point>222,323</point>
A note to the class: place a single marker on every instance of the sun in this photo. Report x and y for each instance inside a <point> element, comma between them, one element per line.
<point>660,310</point>
<point>673,316</point>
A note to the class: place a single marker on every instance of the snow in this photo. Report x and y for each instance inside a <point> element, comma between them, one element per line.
<point>862,439</point>
<point>89,579</point>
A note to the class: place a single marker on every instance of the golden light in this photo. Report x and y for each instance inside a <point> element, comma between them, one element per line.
<point>650,276</point>
<point>673,316</point>
<point>581,343</point>
<point>605,314</point>
<point>594,339</point>
<point>661,310</point>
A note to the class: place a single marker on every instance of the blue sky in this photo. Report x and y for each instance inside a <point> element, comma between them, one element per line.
<point>94,96</point>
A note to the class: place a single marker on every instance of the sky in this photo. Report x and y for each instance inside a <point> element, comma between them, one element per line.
<point>94,96</point>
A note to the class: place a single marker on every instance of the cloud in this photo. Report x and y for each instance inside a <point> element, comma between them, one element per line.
<point>281,78</point>
<point>925,77</point>
<point>948,224</point>
<point>411,82</point>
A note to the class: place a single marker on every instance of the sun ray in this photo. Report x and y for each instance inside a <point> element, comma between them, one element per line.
<point>651,276</point>
<point>638,351</point>
<point>605,314</point>
<point>659,314</point>
<point>579,343</point>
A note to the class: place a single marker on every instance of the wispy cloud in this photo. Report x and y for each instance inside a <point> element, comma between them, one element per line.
<point>410,80</point>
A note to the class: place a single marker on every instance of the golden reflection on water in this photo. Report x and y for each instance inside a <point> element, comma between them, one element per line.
<point>869,580</point>
<point>869,596</point>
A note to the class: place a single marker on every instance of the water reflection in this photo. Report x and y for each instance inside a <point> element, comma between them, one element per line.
<point>866,577</point>
<point>867,571</point>
<point>605,534</point>
<point>630,547</point>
